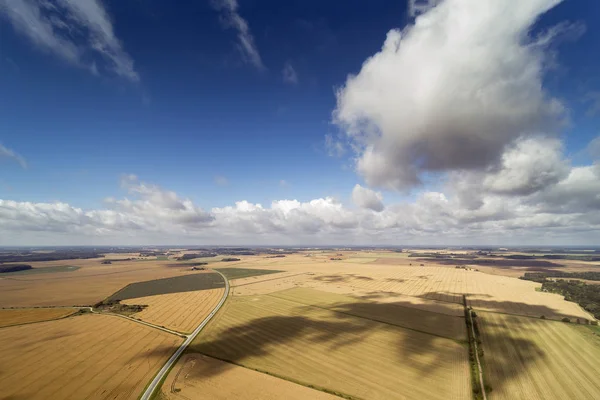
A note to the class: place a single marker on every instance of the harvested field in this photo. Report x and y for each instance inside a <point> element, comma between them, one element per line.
<point>178,284</point>
<point>431,288</point>
<point>91,283</point>
<point>180,312</point>
<point>196,376</point>
<point>529,358</point>
<point>452,327</point>
<point>88,356</point>
<point>355,356</point>
<point>18,316</point>
<point>238,273</point>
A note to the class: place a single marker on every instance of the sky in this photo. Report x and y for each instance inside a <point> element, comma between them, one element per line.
<point>258,122</point>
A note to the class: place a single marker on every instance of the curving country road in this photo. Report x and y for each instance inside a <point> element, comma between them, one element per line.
<point>155,384</point>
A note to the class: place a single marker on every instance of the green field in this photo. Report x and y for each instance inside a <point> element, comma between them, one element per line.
<point>238,273</point>
<point>178,284</point>
<point>44,270</point>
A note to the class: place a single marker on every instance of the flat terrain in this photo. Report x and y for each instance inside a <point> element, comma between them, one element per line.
<point>88,356</point>
<point>181,312</point>
<point>188,283</point>
<point>529,358</point>
<point>42,270</point>
<point>238,273</point>
<point>200,377</point>
<point>355,356</point>
<point>396,313</point>
<point>10,317</point>
<point>88,285</point>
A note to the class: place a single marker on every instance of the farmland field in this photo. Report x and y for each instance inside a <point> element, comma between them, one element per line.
<point>528,358</point>
<point>452,327</point>
<point>91,283</point>
<point>198,376</point>
<point>181,312</point>
<point>355,356</point>
<point>43,270</point>
<point>178,284</point>
<point>88,356</point>
<point>18,316</point>
<point>238,273</point>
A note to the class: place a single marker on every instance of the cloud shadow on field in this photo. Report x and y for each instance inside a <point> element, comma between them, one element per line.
<point>348,325</point>
<point>341,278</point>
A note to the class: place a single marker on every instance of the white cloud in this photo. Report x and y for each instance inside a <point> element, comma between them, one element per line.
<point>52,27</point>
<point>566,212</point>
<point>232,19</point>
<point>367,198</point>
<point>449,93</point>
<point>289,74</point>
<point>5,152</point>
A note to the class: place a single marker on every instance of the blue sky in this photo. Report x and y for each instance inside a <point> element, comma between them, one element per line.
<point>199,114</point>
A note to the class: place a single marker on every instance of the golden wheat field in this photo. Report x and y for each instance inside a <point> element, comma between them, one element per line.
<point>355,356</point>
<point>442,285</point>
<point>92,283</point>
<point>81,357</point>
<point>528,358</point>
<point>180,312</point>
<point>18,316</point>
<point>197,376</point>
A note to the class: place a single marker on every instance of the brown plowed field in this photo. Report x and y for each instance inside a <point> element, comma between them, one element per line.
<point>181,312</point>
<point>20,316</point>
<point>200,377</point>
<point>529,358</point>
<point>82,357</point>
<point>340,352</point>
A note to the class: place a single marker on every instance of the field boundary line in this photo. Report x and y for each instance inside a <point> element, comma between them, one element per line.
<point>161,375</point>
<point>183,335</point>
<point>473,342</point>
<point>375,320</point>
<point>44,320</point>
<point>285,378</point>
<point>267,280</point>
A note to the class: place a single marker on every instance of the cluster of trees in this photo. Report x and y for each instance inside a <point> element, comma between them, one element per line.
<point>587,296</point>
<point>230,259</point>
<point>14,268</point>
<point>191,256</point>
<point>53,256</point>
<point>542,276</point>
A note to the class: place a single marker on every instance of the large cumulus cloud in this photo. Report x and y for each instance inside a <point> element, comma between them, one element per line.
<point>450,92</point>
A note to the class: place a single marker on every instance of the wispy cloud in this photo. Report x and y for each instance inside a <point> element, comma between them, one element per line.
<point>52,27</point>
<point>289,74</point>
<point>220,180</point>
<point>5,152</point>
<point>230,18</point>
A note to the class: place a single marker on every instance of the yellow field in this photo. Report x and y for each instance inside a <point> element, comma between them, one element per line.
<point>395,313</point>
<point>529,358</point>
<point>20,316</point>
<point>82,357</point>
<point>200,377</point>
<point>181,312</point>
<point>339,352</point>
<point>442,284</point>
<point>92,283</point>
